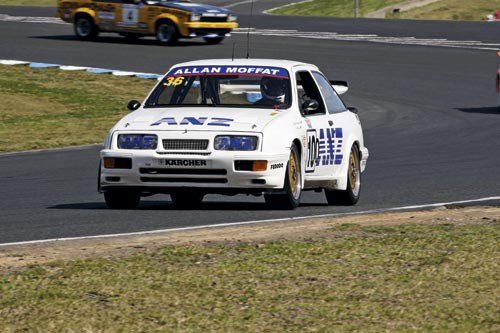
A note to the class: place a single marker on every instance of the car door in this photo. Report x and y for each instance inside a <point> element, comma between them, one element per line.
<point>332,137</point>
<point>317,121</point>
<point>129,15</point>
<point>107,13</point>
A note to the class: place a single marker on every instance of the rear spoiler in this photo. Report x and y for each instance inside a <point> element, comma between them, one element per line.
<point>340,87</point>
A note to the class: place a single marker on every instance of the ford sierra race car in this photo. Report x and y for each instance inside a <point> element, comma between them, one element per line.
<point>254,126</point>
<point>168,20</point>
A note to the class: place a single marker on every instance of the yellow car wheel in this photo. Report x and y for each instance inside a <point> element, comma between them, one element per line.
<point>85,28</point>
<point>166,32</point>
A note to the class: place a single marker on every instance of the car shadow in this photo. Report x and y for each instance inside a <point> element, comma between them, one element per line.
<point>122,40</point>
<point>482,110</point>
<point>169,206</point>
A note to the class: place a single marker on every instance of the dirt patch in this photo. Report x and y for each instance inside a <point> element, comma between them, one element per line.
<point>14,258</point>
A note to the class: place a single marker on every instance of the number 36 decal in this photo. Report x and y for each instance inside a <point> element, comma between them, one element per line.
<point>312,150</point>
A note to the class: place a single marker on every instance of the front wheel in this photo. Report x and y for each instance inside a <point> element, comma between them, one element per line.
<point>213,40</point>
<point>289,198</point>
<point>166,33</point>
<point>85,29</point>
<point>122,198</point>
<point>350,196</point>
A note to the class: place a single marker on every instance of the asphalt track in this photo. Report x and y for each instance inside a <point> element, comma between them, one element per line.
<point>429,113</point>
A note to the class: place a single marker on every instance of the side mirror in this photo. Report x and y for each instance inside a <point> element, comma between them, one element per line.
<point>340,87</point>
<point>133,105</point>
<point>310,106</point>
<point>353,109</point>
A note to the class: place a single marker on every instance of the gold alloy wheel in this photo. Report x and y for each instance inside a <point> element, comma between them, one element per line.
<point>353,171</point>
<point>293,173</point>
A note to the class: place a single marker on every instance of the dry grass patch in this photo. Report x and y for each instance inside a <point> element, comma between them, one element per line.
<point>338,8</point>
<point>439,276</point>
<point>457,10</point>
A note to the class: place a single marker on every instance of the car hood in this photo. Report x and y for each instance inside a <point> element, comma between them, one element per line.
<point>197,119</point>
<point>194,7</point>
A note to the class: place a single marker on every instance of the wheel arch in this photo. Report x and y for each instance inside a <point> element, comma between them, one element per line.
<point>167,18</point>
<point>85,12</point>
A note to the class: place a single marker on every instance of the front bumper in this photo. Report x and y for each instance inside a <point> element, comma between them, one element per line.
<point>202,29</point>
<point>212,173</point>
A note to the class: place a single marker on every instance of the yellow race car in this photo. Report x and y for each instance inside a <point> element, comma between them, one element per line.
<point>168,20</point>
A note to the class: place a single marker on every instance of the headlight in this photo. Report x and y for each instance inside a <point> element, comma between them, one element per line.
<point>137,141</point>
<point>232,18</point>
<point>195,17</point>
<point>231,142</point>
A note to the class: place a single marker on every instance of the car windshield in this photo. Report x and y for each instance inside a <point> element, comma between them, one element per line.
<point>225,86</point>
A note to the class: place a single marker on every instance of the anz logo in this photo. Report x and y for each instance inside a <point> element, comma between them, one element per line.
<point>213,121</point>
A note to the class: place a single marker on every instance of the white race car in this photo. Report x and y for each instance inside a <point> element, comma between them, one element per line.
<point>253,126</point>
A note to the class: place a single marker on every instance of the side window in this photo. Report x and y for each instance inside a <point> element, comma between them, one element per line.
<point>307,89</point>
<point>333,102</point>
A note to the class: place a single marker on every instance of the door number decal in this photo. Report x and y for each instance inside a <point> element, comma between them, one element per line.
<point>312,150</point>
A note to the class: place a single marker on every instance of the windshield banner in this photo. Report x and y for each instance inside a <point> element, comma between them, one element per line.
<point>230,70</point>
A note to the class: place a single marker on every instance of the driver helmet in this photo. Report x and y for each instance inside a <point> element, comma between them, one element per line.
<point>273,88</point>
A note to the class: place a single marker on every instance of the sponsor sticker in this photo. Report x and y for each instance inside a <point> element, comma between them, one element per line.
<point>106,15</point>
<point>277,72</point>
<point>179,163</point>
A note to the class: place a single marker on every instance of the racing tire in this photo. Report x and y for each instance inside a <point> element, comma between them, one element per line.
<point>122,198</point>
<point>166,33</point>
<point>85,28</point>
<point>350,196</point>
<point>186,199</point>
<point>213,40</point>
<point>289,198</point>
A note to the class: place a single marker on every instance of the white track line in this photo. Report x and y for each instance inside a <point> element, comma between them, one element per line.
<point>370,38</point>
<point>240,3</point>
<point>221,225</point>
<point>268,11</point>
<point>60,149</point>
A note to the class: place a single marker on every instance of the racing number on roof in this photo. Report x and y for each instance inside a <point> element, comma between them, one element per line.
<point>172,80</point>
<point>312,150</point>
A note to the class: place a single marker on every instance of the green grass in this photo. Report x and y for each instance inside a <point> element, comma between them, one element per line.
<point>452,10</point>
<point>52,3</point>
<point>416,278</point>
<point>338,8</point>
<point>48,108</point>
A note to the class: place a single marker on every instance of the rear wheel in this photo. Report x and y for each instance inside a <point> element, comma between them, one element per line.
<point>122,198</point>
<point>84,28</point>
<point>289,198</point>
<point>187,199</point>
<point>350,196</point>
<point>213,40</point>
<point>166,33</point>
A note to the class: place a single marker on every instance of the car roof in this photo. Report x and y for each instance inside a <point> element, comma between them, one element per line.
<point>288,64</point>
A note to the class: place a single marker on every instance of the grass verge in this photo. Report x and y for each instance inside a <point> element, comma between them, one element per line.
<point>338,8</point>
<point>51,108</point>
<point>457,10</point>
<point>352,278</point>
